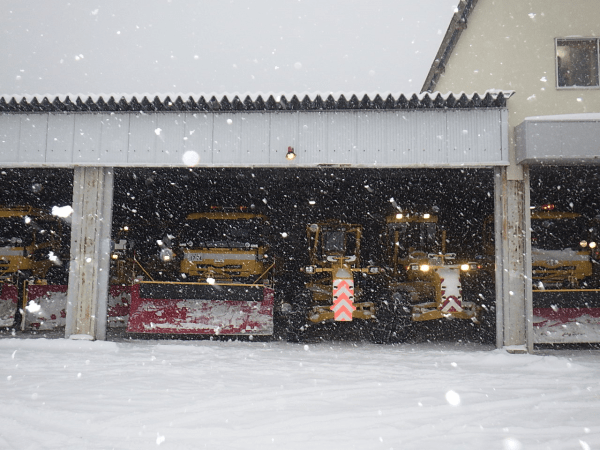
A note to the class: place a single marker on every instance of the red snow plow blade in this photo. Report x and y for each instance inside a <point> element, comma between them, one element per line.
<point>566,316</point>
<point>198,308</point>
<point>9,297</point>
<point>47,305</point>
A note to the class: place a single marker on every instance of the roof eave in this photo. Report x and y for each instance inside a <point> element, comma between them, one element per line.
<point>457,24</point>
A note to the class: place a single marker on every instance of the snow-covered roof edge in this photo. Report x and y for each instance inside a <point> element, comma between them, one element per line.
<point>457,24</point>
<point>165,103</point>
<point>578,117</point>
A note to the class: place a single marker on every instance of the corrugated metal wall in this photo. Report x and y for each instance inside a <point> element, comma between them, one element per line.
<point>365,138</point>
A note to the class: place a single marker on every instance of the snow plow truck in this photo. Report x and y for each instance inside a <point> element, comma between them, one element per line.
<point>565,276</point>
<point>565,273</point>
<point>31,253</point>
<point>339,287</point>
<point>221,278</point>
<point>425,281</point>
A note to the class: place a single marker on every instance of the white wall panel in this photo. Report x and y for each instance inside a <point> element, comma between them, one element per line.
<point>227,139</point>
<point>474,136</point>
<point>142,139</point>
<point>86,139</point>
<point>363,138</point>
<point>59,142</point>
<point>114,142</point>
<point>32,138</point>
<point>198,136</point>
<point>341,136</point>
<point>169,133</point>
<point>312,138</point>
<point>255,138</point>
<point>284,134</point>
<point>10,130</point>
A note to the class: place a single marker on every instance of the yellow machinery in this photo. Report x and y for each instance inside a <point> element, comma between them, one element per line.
<point>30,245</point>
<point>31,252</point>
<point>561,249</point>
<point>564,272</point>
<point>223,245</point>
<point>334,258</point>
<point>216,278</point>
<point>422,275</point>
<point>122,262</point>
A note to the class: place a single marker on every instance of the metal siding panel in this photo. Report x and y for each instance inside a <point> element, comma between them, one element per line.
<point>284,134</point>
<point>114,140</point>
<point>59,141</point>
<point>341,137</point>
<point>543,140</point>
<point>384,138</point>
<point>430,138</point>
<point>198,136</point>
<point>312,137</point>
<point>34,129</point>
<point>227,139</point>
<point>169,140</point>
<point>255,138</point>
<point>142,139</point>
<point>10,129</point>
<point>86,140</point>
<point>370,137</point>
<point>401,138</point>
<point>580,139</point>
<point>558,142</point>
<point>474,137</point>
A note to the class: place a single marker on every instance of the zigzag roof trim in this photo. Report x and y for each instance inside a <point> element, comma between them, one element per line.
<point>434,100</point>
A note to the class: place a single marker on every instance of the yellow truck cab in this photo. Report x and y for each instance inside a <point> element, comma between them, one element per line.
<point>223,246</point>
<point>30,244</point>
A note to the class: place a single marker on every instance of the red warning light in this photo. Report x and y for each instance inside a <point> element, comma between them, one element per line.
<point>548,207</point>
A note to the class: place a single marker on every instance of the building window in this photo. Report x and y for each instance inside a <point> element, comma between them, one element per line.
<point>577,63</point>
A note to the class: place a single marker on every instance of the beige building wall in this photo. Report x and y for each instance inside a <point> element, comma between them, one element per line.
<point>510,44</point>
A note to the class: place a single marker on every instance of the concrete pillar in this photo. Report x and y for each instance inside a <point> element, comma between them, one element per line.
<point>87,296</point>
<point>513,267</point>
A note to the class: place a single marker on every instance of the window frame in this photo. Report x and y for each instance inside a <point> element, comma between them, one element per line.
<point>597,39</point>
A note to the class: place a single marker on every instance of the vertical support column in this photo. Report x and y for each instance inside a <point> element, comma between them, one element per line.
<point>512,260</point>
<point>87,296</point>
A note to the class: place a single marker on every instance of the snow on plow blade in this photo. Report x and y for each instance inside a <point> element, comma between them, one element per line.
<point>8,305</point>
<point>196,308</point>
<point>47,305</point>
<point>566,316</point>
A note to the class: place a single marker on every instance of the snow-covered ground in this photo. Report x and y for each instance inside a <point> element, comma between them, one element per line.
<point>67,394</point>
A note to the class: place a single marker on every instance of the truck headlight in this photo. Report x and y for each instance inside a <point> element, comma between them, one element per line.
<point>593,245</point>
<point>583,243</point>
<point>114,256</point>
<point>166,255</point>
<point>424,268</point>
<point>309,269</point>
<point>465,267</point>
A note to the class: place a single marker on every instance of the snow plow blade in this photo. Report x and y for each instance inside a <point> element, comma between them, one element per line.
<point>9,296</point>
<point>565,316</point>
<point>199,308</point>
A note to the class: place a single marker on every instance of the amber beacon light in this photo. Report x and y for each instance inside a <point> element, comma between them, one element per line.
<point>290,153</point>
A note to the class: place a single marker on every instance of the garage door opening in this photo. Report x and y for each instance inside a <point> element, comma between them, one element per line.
<point>35,239</point>
<point>565,234</point>
<point>378,224</point>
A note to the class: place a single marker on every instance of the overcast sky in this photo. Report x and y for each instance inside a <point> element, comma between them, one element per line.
<point>82,47</point>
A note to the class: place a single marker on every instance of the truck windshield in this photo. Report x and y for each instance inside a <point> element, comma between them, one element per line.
<point>414,236</point>
<point>558,234</point>
<point>339,242</point>
<point>240,233</point>
<point>15,232</point>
